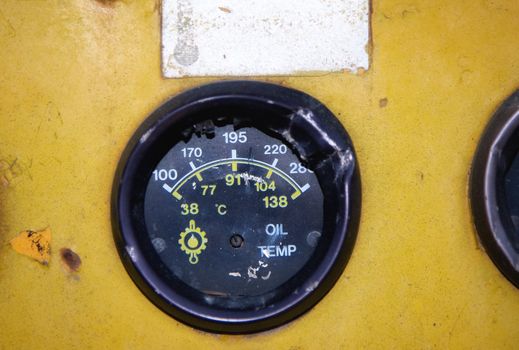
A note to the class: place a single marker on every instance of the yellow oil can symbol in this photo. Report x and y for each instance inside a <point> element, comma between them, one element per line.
<point>192,241</point>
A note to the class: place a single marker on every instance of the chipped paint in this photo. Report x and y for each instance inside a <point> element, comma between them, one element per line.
<point>185,51</point>
<point>252,272</point>
<point>263,37</point>
<point>248,177</point>
<point>34,244</point>
<point>267,276</point>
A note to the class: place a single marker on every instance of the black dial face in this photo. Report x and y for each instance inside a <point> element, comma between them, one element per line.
<point>512,191</point>
<point>235,205</point>
<point>234,212</point>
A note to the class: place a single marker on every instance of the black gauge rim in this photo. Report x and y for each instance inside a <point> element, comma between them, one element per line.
<point>494,156</point>
<point>308,119</point>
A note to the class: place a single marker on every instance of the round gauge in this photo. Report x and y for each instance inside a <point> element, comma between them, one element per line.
<point>236,204</point>
<point>494,190</point>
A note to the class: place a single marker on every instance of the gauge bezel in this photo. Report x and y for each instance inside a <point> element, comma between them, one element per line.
<point>309,128</point>
<point>494,156</point>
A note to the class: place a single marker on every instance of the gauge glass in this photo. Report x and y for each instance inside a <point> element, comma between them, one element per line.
<point>233,213</point>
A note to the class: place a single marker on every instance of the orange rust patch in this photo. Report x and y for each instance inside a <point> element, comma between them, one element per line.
<point>225,9</point>
<point>383,102</point>
<point>34,244</point>
<point>4,181</point>
<point>106,2</point>
<point>70,259</point>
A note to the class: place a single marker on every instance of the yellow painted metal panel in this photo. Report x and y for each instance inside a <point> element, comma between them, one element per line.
<point>78,77</point>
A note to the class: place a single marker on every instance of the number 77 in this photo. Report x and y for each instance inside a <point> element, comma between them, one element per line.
<point>211,189</point>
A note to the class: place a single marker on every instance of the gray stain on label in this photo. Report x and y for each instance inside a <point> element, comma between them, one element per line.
<point>186,51</point>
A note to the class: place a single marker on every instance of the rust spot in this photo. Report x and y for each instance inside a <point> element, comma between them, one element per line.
<point>361,72</point>
<point>70,259</point>
<point>225,9</point>
<point>383,102</point>
<point>106,3</point>
<point>3,181</point>
<point>409,11</point>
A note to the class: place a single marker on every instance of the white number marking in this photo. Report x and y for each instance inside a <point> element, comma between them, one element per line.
<point>275,149</point>
<point>234,137</point>
<point>189,152</point>
<point>298,168</point>
<point>164,174</point>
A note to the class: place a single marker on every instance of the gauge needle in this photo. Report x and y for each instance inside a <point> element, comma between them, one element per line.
<point>250,159</point>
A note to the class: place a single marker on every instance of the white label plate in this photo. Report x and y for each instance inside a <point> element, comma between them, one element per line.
<point>263,37</point>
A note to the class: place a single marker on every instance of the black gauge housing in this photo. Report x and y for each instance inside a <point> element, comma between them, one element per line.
<point>294,118</point>
<point>494,189</point>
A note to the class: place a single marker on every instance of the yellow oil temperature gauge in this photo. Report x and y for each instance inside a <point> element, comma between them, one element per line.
<point>235,205</point>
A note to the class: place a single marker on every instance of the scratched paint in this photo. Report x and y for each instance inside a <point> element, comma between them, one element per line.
<point>263,37</point>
